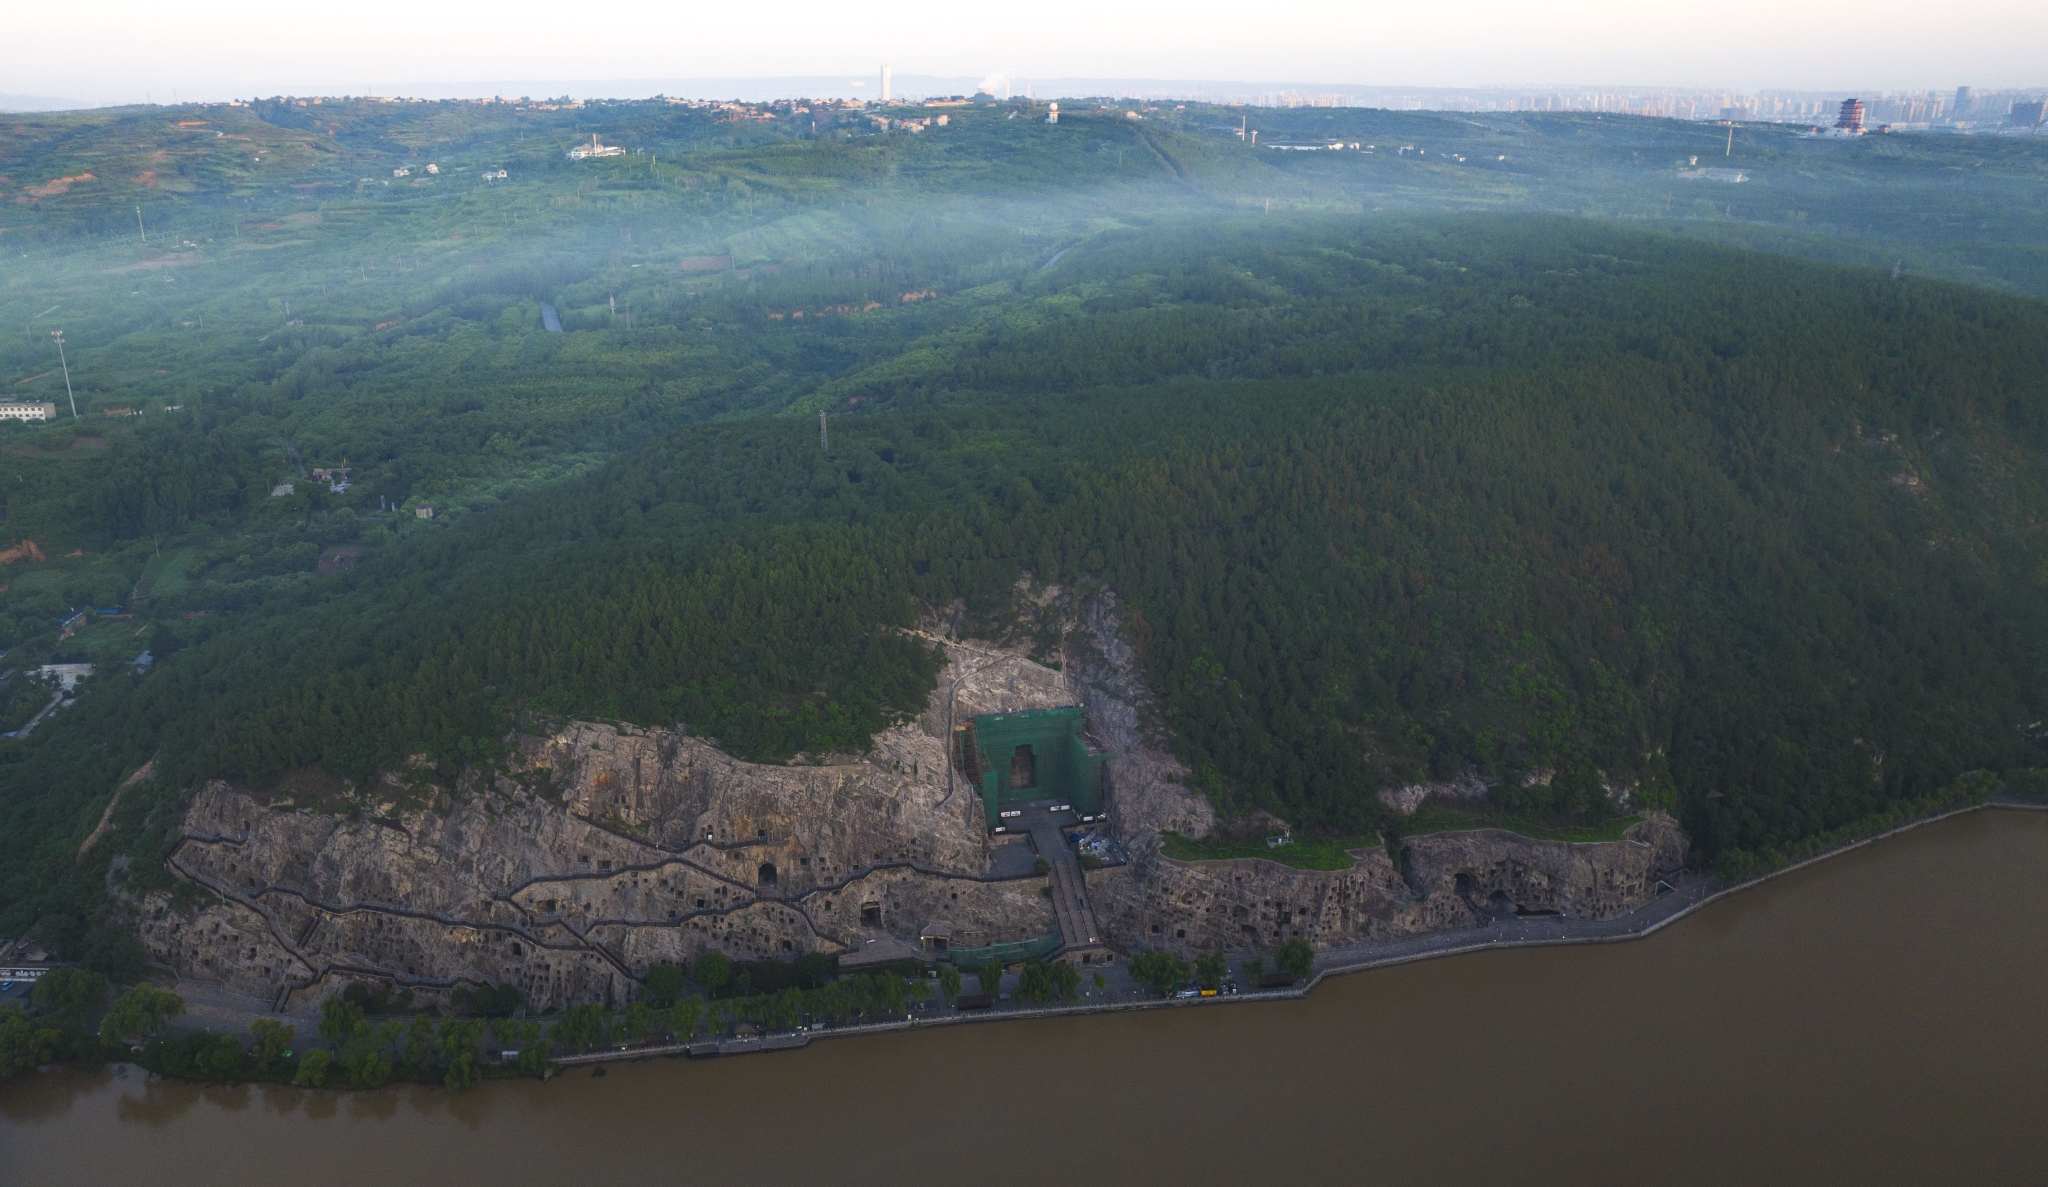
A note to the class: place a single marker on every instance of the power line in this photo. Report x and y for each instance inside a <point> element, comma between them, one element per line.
<point>62,362</point>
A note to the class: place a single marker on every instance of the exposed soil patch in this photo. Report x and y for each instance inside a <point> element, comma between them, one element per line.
<point>337,558</point>
<point>52,187</point>
<point>175,259</point>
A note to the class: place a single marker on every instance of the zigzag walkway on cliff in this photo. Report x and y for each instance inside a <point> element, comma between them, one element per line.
<point>1690,892</point>
<point>250,898</point>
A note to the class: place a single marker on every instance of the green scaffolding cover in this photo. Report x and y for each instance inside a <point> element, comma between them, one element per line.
<point>1046,747</point>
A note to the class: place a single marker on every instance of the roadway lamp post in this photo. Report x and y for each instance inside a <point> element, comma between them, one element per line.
<point>59,336</point>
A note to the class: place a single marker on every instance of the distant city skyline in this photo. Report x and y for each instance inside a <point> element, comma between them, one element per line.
<point>124,51</point>
<point>1962,108</point>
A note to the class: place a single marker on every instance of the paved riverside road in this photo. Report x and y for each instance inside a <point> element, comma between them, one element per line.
<point>1513,931</point>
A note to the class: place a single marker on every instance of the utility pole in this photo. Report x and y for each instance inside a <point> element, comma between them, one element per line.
<point>824,441</point>
<point>62,362</point>
<point>1731,141</point>
<point>140,227</point>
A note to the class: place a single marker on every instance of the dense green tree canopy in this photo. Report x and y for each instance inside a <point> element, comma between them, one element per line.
<point>1598,514</point>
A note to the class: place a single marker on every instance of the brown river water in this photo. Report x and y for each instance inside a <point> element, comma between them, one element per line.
<point>1875,1018</point>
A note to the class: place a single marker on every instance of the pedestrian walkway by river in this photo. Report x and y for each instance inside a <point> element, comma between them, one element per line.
<point>1871,1019</point>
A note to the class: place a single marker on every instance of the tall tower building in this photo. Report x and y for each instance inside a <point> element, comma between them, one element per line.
<point>1962,107</point>
<point>885,82</point>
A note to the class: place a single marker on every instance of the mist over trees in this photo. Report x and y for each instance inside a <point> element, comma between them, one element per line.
<point>1610,517</point>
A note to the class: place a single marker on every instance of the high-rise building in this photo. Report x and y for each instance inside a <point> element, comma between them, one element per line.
<point>2026,113</point>
<point>1851,118</point>
<point>885,82</point>
<point>1962,108</point>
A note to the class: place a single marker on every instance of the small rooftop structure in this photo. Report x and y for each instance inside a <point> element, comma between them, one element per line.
<point>936,937</point>
<point>584,152</point>
<point>423,511</point>
<point>875,950</point>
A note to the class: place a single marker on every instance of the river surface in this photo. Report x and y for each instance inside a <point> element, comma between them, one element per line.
<point>1876,1018</point>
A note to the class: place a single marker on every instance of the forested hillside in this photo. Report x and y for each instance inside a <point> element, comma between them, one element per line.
<point>1605,515</point>
<point>1753,538</point>
<point>253,292</point>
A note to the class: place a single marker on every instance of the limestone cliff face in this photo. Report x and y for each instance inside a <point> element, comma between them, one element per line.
<point>1148,789</point>
<point>1444,881</point>
<point>658,791</point>
<point>605,849</point>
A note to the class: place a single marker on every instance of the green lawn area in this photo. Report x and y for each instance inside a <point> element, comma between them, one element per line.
<point>1307,853</point>
<point>1434,817</point>
<point>108,640</point>
<point>1332,853</point>
<point>167,572</point>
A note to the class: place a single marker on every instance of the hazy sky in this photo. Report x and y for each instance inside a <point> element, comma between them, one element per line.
<point>115,50</point>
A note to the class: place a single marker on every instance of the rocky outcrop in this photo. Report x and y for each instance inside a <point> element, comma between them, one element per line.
<point>1405,800</point>
<point>1147,786</point>
<point>604,849</point>
<point>1443,881</point>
